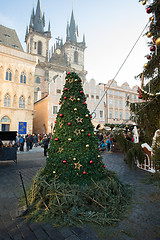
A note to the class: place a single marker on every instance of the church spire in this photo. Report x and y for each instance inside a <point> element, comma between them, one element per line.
<point>72,30</point>
<point>39,20</point>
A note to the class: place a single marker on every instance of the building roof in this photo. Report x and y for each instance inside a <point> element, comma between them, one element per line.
<point>9,38</point>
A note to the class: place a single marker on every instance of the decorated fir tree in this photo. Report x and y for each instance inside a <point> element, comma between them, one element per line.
<point>73,154</point>
<point>74,187</point>
<point>148,110</point>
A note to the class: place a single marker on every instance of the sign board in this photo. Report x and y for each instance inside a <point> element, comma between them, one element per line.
<point>22,129</point>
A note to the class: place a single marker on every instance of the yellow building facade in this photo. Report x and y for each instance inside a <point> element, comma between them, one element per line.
<point>17,70</point>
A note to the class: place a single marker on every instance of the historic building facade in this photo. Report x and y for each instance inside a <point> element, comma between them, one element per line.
<point>38,77</point>
<point>17,70</point>
<point>46,108</point>
<point>68,56</point>
<point>116,109</point>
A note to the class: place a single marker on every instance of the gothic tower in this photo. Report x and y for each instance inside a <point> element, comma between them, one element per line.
<point>70,55</point>
<point>74,49</point>
<point>37,39</point>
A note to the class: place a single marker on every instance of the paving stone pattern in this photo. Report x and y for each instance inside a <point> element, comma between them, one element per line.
<point>142,221</point>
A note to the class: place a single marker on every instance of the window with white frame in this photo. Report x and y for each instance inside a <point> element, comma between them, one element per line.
<point>116,114</point>
<point>116,103</point>
<point>120,115</point>
<point>110,102</point>
<point>23,77</point>
<point>127,115</point>
<point>22,102</point>
<point>101,114</point>
<point>55,109</point>
<point>9,74</point>
<point>7,100</point>
<point>110,91</point>
<point>120,103</point>
<point>110,114</point>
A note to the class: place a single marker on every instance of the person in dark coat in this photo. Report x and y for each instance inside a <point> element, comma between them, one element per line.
<point>45,143</point>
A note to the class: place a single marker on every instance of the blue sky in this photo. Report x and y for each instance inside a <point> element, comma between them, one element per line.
<point>111,29</point>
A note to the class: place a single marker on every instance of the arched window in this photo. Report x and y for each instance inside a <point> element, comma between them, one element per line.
<point>5,119</point>
<point>38,89</point>
<point>76,57</point>
<point>23,77</point>
<point>7,100</point>
<point>37,80</point>
<point>39,47</point>
<point>21,102</point>
<point>9,74</point>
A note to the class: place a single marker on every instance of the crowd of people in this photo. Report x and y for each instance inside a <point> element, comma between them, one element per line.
<point>27,142</point>
<point>104,141</point>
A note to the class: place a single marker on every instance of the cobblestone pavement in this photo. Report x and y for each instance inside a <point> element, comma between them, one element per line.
<point>142,221</point>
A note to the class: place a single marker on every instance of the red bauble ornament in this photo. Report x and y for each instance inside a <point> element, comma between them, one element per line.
<point>84,103</point>
<point>55,121</point>
<point>66,89</point>
<point>148,56</point>
<point>65,98</point>
<point>69,124</point>
<point>152,49</point>
<point>81,92</point>
<point>59,103</point>
<point>91,161</point>
<point>56,139</point>
<point>149,10</point>
<point>84,172</point>
<point>99,149</point>
<point>89,134</point>
<point>61,115</point>
<point>64,161</point>
<point>68,73</point>
<point>90,116</point>
<point>104,166</point>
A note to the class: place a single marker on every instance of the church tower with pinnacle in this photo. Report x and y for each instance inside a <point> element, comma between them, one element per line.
<point>37,39</point>
<point>62,57</point>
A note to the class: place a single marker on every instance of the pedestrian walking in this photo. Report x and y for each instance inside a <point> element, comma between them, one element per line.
<point>45,143</point>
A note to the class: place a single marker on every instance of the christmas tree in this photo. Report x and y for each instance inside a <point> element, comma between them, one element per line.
<point>73,154</point>
<point>147,112</point>
<point>74,187</point>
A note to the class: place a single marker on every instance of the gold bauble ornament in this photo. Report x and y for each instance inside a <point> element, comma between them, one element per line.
<point>54,172</point>
<point>146,65</point>
<point>149,34</point>
<point>87,145</point>
<point>158,42</point>
<point>152,18</point>
<point>99,156</point>
<point>75,109</point>
<point>74,159</point>
<point>86,115</point>
<point>82,130</point>
<point>78,99</point>
<point>76,80</point>
<point>69,139</point>
<point>95,133</point>
<point>144,2</point>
